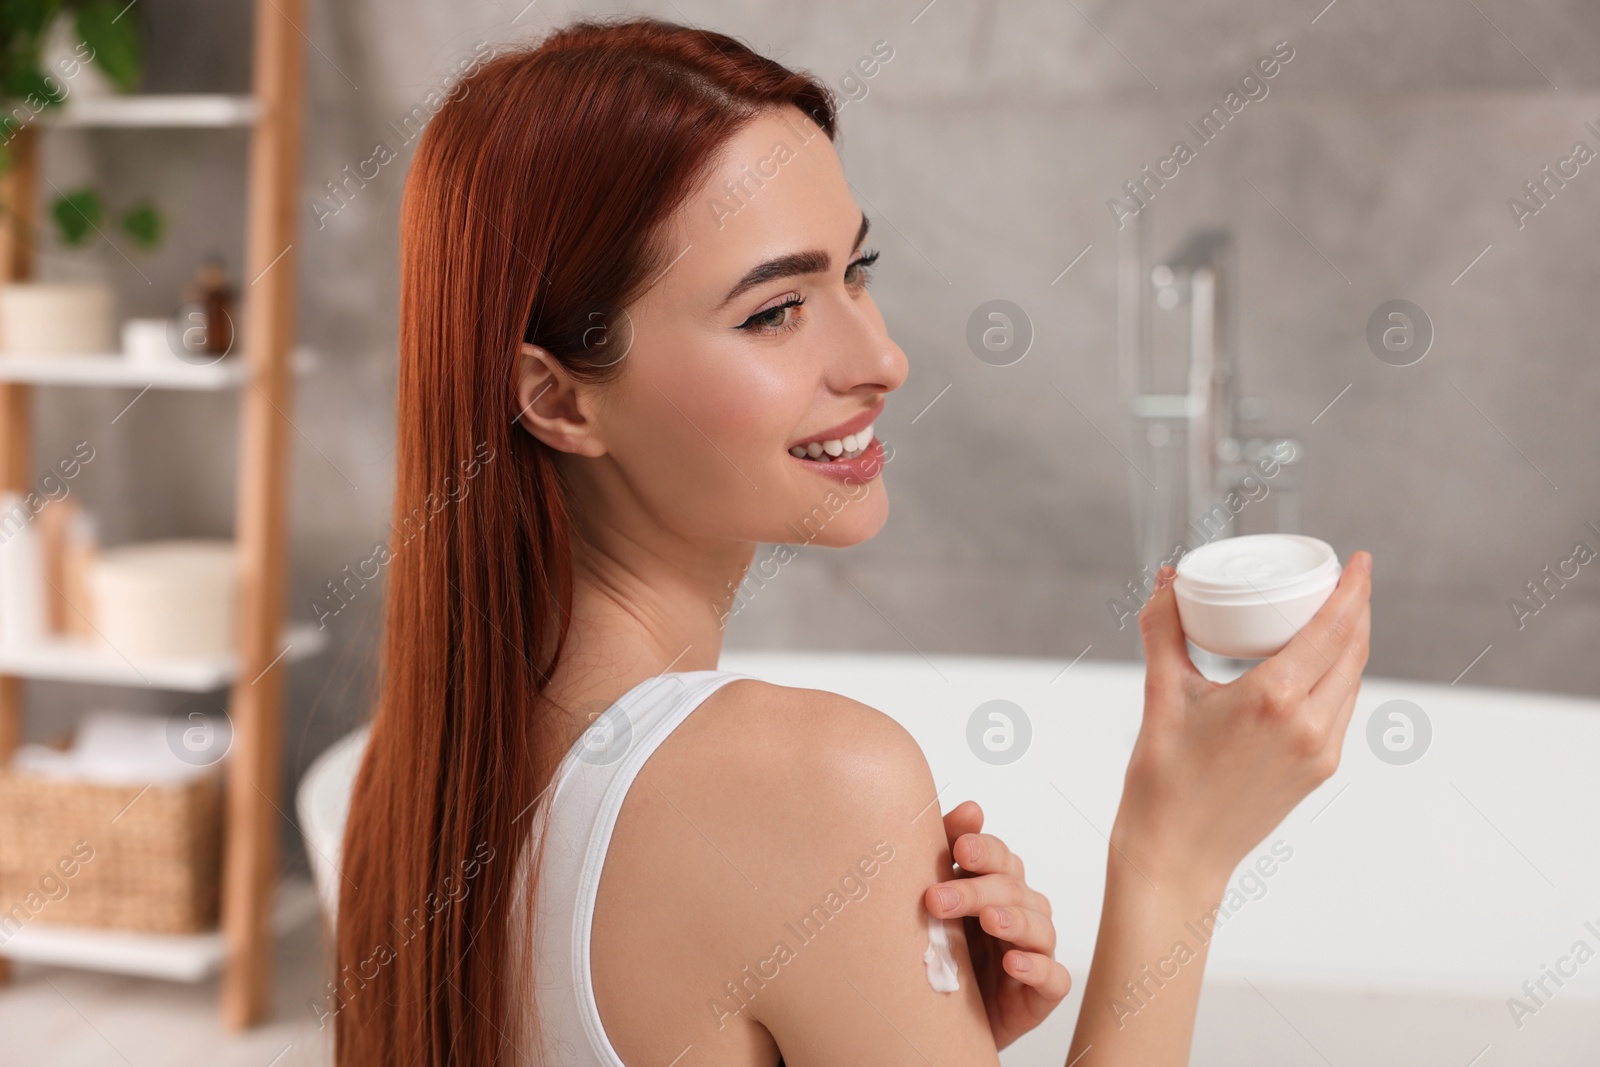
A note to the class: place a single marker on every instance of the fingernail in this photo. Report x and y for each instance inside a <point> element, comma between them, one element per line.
<point>1002,916</point>
<point>948,899</point>
<point>1022,964</point>
<point>1365,562</point>
<point>974,852</point>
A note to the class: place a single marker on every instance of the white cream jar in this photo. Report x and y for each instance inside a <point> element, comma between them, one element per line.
<point>1245,597</point>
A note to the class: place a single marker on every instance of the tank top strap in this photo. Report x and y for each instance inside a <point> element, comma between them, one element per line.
<point>577,816</point>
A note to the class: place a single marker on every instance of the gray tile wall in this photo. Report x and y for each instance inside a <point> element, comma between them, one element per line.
<point>1378,166</point>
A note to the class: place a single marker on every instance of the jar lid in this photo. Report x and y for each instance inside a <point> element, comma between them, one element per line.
<point>1254,567</point>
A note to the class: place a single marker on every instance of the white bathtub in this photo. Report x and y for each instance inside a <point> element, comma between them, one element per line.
<point>1417,900</point>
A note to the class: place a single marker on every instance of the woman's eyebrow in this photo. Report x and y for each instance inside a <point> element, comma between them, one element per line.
<point>788,265</point>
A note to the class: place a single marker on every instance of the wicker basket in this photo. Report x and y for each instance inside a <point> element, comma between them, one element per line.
<point>140,858</point>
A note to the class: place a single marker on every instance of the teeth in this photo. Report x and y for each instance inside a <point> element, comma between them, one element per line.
<point>848,447</point>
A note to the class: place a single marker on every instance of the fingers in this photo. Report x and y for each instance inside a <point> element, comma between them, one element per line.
<point>985,854</point>
<point>966,896</point>
<point>1048,981</point>
<point>1166,653</point>
<point>1316,649</point>
<point>1344,677</point>
<point>1340,690</point>
<point>965,818</point>
<point>1027,929</point>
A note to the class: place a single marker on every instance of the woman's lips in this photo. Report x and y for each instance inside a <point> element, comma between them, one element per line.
<point>844,429</point>
<point>862,468</point>
<point>849,451</point>
<point>849,446</point>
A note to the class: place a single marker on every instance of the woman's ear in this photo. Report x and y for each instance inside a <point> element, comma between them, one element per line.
<point>553,406</point>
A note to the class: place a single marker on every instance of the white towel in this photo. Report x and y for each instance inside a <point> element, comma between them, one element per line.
<point>22,612</point>
<point>120,748</point>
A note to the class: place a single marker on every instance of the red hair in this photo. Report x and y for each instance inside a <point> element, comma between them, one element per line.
<point>532,212</point>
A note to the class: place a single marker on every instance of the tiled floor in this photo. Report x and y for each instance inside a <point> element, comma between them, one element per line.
<point>54,1017</point>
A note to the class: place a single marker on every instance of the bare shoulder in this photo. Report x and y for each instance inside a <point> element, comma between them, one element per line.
<point>776,831</point>
<point>795,779</point>
<point>827,748</point>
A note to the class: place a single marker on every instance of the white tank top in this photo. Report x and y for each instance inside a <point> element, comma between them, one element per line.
<point>578,812</point>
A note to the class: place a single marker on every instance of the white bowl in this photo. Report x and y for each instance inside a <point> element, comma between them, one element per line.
<point>166,598</point>
<point>56,318</point>
<point>145,341</point>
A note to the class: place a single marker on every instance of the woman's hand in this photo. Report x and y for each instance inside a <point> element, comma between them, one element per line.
<point>1009,933</point>
<point>1216,767</point>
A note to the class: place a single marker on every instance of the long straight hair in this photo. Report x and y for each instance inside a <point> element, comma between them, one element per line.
<point>532,211</point>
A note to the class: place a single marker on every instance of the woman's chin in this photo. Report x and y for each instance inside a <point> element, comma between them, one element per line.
<point>857,520</point>
<point>865,535</point>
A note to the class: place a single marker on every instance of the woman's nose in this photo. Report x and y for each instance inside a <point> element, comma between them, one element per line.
<point>868,356</point>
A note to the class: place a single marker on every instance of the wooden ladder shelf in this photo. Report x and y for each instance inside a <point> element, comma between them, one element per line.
<point>275,111</point>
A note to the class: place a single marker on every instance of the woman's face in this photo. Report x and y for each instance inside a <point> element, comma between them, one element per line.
<point>758,339</point>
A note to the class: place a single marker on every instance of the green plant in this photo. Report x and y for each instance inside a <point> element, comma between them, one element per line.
<point>110,37</point>
<point>81,214</point>
<point>112,34</point>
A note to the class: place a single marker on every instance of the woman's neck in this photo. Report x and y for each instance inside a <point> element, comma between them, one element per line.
<point>641,606</point>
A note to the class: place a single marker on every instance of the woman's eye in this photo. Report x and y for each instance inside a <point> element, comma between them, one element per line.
<point>781,317</point>
<point>773,318</point>
<point>859,272</point>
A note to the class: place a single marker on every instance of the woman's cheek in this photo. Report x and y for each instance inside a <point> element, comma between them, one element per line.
<point>754,412</point>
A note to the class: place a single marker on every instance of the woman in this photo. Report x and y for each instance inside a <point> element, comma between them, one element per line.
<point>636,341</point>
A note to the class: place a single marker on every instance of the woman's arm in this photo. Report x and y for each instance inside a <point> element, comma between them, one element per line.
<point>1214,769</point>
<point>856,797</point>
<point>1144,983</point>
<point>763,894</point>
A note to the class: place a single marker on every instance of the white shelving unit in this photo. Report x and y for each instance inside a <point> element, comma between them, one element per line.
<point>156,111</point>
<point>174,957</point>
<point>115,371</point>
<point>254,906</point>
<point>64,659</point>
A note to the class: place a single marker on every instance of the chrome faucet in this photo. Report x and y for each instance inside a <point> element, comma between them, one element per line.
<point>1196,477</point>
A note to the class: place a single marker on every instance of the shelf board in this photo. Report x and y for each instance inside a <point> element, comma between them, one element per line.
<point>114,370</point>
<point>175,957</point>
<point>154,111</point>
<point>63,659</point>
